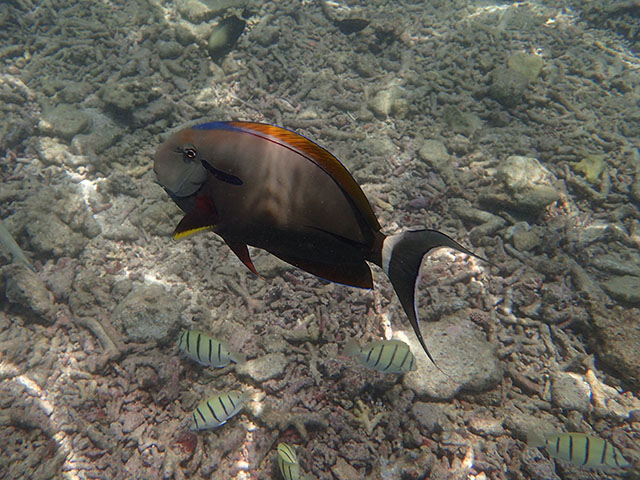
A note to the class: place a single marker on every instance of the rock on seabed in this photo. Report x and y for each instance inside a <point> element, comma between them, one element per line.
<point>525,185</point>
<point>148,313</point>
<point>462,352</point>
<point>26,290</point>
<point>264,368</point>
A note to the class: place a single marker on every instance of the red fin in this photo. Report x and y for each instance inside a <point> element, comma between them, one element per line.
<point>242,252</point>
<point>321,157</point>
<point>352,274</point>
<point>192,222</point>
<point>203,217</point>
<point>206,206</point>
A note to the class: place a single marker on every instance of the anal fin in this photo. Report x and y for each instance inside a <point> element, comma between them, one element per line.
<point>355,274</point>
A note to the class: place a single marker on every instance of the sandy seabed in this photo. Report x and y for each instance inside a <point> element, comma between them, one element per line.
<point>432,107</point>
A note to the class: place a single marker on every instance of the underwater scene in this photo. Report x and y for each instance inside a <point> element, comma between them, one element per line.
<point>320,239</point>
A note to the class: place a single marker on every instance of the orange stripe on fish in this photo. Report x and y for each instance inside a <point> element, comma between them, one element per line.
<point>320,157</point>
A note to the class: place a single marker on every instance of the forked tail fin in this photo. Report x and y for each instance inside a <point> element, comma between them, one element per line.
<point>401,258</point>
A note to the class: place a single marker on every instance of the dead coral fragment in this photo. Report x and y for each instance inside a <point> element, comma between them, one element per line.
<point>361,414</point>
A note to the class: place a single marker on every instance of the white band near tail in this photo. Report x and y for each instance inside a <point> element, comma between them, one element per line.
<point>388,244</point>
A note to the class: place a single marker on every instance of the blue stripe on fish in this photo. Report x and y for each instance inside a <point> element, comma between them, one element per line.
<point>215,126</point>
<point>241,126</point>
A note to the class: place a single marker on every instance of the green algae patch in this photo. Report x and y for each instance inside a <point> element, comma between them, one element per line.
<point>526,64</point>
<point>591,166</point>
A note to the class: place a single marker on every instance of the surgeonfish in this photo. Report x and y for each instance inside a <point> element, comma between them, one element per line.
<point>271,188</point>
<point>288,462</point>
<point>580,449</point>
<point>387,356</point>
<point>9,244</point>
<point>216,410</point>
<point>208,351</point>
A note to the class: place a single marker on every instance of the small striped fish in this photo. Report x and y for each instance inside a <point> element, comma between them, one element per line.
<point>215,411</point>
<point>581,449</point>
<point>288,462</point>
<point>9,244</point>
<point>387,356</point>
<point>206,350</point>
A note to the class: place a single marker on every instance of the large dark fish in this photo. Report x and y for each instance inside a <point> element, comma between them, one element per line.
<point>271,188</point>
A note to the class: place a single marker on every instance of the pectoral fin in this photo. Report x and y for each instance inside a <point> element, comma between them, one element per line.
<point>203,217</point>
<point>192,222</point>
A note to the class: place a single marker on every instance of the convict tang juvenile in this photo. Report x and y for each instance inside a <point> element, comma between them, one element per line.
<point>206,350</point>
<point>271,188</point>
<point>288,462</point>
<point>580,449</point>
<point>218,409</point>
<point>386,356</point>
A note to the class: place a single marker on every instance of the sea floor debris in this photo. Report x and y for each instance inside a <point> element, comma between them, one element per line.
<point>440,110</point>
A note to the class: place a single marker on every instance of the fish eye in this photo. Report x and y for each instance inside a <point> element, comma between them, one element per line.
<point>188,153</point>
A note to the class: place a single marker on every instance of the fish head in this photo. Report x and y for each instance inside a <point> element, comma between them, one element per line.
<point>178,164</point>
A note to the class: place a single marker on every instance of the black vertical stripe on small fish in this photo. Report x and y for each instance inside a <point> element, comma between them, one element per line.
<point>571,447</point>
<point>210,348</point>
<point>379,355</point>
<point>557,444</point>
<point>233,404</point>
<point>289,459</point>
<point>201,415</point>
<point>198,347</point>
<point>604,452</point>
<point>406,355</point>
<point>586,451</point>
<point>393,355</point>
<point>615,455</point>
<point>219,352</point>
<point>195,420</point>
<point>288,467</point>
<point>369,354</point>
<point>212,411</point>
<point>188,344</point>
<point>223,406</point>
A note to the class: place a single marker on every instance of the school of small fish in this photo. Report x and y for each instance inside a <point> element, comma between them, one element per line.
<point>385,356</point>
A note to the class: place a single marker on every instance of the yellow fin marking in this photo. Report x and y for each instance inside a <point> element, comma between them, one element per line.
<point>186,233</point>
